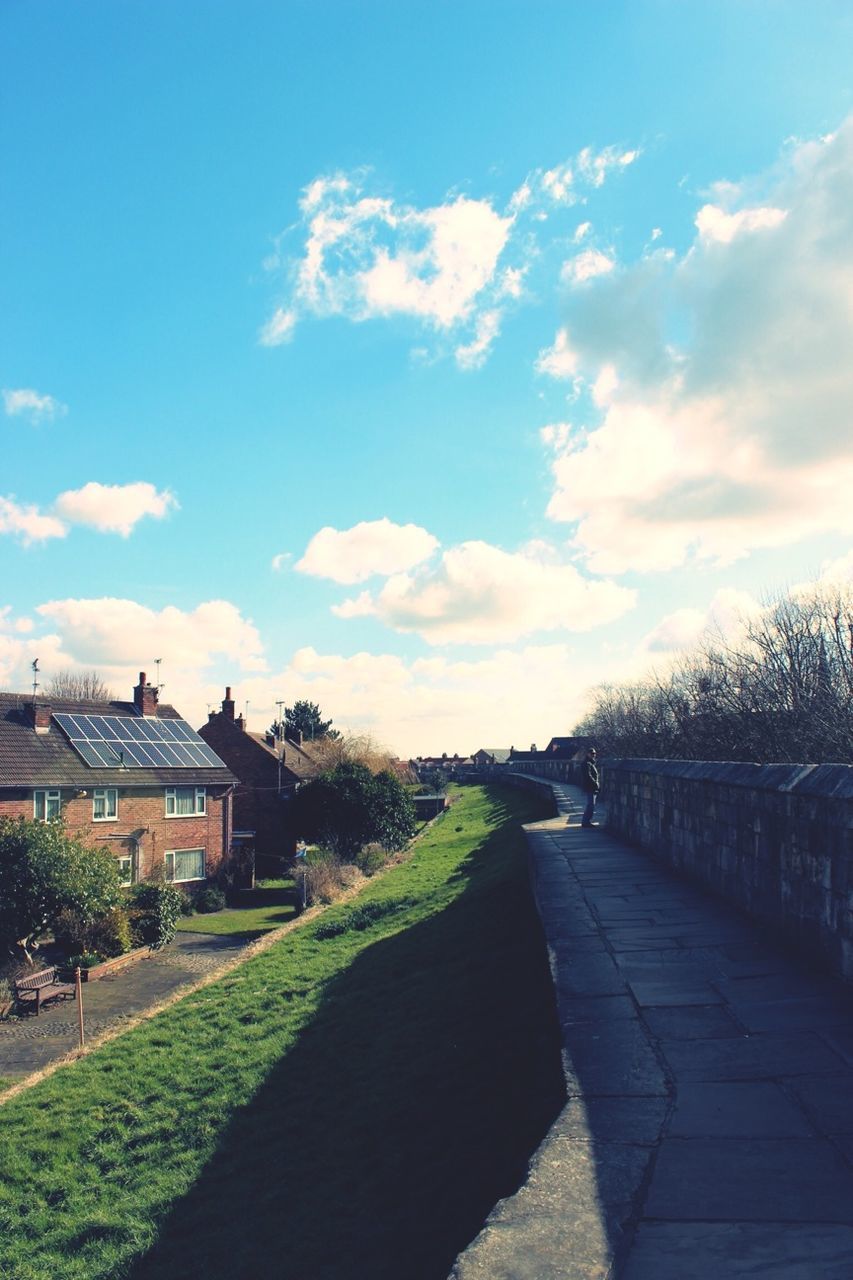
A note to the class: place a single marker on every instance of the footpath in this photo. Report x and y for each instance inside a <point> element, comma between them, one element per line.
<point>29,1043</point>
<point>708,1128</point>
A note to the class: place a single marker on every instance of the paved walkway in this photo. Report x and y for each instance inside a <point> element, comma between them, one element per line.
<point>29,1043</point>
<point>708,1131</point>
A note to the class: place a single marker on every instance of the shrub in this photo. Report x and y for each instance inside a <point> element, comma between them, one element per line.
<point>110,936</point>
<point>325,879</point>
<point>371,859</point>
<point>210,899</point>
<point>87,960</point>
<point>154,914</point>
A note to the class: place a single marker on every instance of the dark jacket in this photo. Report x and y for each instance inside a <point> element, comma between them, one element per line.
<point>589,778</point>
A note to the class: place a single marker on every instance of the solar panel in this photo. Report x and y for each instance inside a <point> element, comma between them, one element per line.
<point>116,742</point>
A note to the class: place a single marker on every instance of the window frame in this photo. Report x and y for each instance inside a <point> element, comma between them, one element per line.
<point>172,853</point>
<point>50,794</point>
<point>199,809</point>
<point>129,859</point>
<point>104,792</point>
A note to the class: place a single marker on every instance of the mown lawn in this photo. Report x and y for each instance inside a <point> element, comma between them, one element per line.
<point>337,1108</point>
<point>258,911</point>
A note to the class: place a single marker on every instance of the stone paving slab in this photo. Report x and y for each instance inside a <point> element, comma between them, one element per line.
<point>708,1132</point>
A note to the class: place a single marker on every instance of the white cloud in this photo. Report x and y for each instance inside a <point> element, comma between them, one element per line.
<point>595,166</point>
<point>682,629</point>
<point>25,402</point>
<point>839,570</point>
<point>117,634</point>
<point>279,328</point>
<point>738,435</point>
<point>369,256</point>
<point>28,523</point>
<point>447,266</point>
<point>371,547</point>
<point>559,360</point>
<point>279,561</point>
<point>715,225</point>
<point>473,354</point>
<point>434,704</point>
<point>114,508</point>
<point>556,435</point>
<point>583,229</point>
<point>586,266</point>
<point>479,594</point>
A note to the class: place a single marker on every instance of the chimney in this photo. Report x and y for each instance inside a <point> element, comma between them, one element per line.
<point>270,739</point>
<point>41,716</point>
<point>295,736</point>
<point>228,704</point>
<point>145,697</point>
<point>240,722</point>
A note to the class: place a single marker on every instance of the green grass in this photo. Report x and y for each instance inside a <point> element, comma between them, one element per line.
<point>335,1108</point>
<point>259,910</point>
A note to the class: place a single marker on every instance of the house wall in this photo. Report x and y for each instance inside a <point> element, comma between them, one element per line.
<point>777,840</point>
<point>258,806</point>
<point>142,823</point>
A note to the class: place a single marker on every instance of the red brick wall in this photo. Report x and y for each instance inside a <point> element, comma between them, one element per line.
<point>258,806</point>
<point>141,813</point>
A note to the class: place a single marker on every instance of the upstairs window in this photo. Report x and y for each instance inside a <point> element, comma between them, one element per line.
<point>185,802</point>
<point>46,805</point>
<point>105,804</point>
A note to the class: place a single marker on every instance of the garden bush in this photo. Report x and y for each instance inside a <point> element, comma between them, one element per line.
<point>371,859</point>
<point>156,907</point>
<point>210,899</point>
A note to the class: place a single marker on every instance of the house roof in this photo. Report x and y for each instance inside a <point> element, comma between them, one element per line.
<point>500,755</point>
<point>47,759</point>
<point>295,757</point>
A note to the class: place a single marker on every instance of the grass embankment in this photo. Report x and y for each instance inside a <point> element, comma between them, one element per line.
<point>337,1107</point>
<point>257,912</point>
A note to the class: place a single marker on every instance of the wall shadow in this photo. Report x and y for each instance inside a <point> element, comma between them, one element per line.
<point>384,1162</point>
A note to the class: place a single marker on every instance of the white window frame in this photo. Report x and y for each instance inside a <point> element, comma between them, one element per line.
<point>52,795</point>
<point>173,879</point>
<point>104,794</point>
<point>199,802</point>
<point>128,858</point>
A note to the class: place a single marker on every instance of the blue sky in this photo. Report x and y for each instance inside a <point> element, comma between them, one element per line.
<point>432,361</point>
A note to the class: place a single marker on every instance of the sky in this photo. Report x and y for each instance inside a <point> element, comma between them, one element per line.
<point>435,362</point>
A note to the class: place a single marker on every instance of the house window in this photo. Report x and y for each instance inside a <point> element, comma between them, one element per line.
<point>125,869</point>
<point>184,864</point>
<point>185,802</point>
<point>46,805</point>
<point>105,804</point>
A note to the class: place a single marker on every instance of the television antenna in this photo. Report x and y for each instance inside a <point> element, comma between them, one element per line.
<point>35,666</point>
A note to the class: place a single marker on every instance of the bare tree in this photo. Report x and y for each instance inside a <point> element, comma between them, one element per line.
<point>79,686</point>
<point>781,690</point>
<point>350,748</point>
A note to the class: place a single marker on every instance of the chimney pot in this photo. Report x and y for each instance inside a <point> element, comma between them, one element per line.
<point>42,712</point>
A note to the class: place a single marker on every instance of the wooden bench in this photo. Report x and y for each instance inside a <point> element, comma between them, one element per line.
<point>41,987</point>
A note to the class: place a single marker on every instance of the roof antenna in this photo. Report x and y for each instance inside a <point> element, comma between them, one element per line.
<point>280,704</point>
<point>246,713</point>
<point>35,666</point>
<point>160,687</point>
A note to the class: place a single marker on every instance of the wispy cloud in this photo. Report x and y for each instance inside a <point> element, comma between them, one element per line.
<point>26,403</point>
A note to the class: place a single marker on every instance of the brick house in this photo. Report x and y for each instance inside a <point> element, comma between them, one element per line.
<point>269,767</point>
<point>132,776</point>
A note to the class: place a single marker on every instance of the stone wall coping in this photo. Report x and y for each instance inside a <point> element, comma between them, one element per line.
<point>831,781</point>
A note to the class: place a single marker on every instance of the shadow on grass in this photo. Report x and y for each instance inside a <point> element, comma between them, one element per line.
<point>411,1103</point>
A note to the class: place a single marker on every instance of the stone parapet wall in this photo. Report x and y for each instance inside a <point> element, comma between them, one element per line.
<point>776,840</point>
<point>529,783</point>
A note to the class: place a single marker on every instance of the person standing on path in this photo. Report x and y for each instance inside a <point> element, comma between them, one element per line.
<point>590,784</point>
